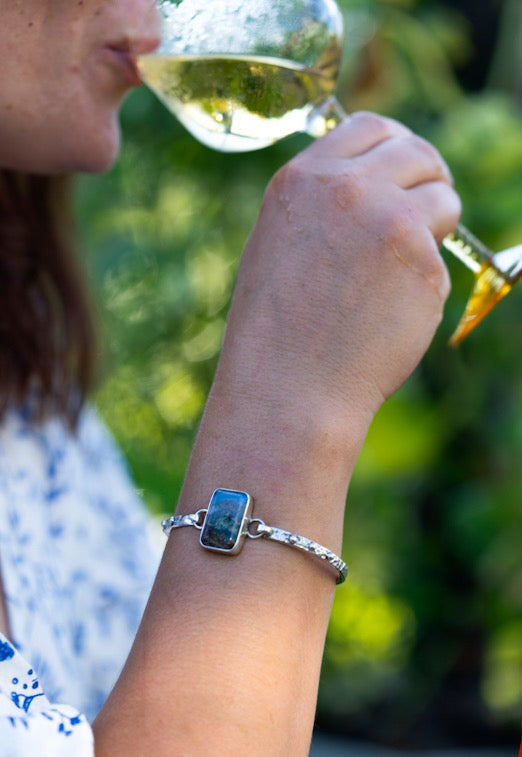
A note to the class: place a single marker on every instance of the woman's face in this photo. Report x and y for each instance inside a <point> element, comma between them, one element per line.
<point>66,67</point>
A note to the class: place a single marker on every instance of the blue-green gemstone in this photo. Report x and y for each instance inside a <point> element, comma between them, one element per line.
<point>224,519</point>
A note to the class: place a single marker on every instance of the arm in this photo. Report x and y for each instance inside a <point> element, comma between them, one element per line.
<point>339,292</point>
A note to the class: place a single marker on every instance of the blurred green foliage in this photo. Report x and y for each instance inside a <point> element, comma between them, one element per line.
<point>425,643</point>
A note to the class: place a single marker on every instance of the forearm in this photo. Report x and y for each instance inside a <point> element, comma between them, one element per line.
<point>228,656</point>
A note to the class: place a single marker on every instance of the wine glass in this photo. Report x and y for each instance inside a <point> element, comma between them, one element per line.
<point>242,74</point>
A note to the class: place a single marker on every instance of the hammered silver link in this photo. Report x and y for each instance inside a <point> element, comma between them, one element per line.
<point>180,521</point>
<point>310,546</point>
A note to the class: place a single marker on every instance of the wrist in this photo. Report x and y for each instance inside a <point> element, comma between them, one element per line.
<point>274,354</point>
<point>294,458</point>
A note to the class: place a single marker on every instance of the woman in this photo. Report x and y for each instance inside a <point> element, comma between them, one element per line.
<point>227,656</point>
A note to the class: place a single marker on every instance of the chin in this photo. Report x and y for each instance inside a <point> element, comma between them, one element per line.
<point>98,162</point>
<point>99,154</point>
<point>92,149</point>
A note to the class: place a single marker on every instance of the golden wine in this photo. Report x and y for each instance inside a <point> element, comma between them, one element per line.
<point>237,103</point>
<point>491,285</point>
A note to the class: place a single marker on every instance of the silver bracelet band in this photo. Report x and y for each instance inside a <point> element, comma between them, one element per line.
<point>227,521</point>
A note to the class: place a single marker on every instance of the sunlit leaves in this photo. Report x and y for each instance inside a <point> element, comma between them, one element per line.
<point>502,685</point>
<point>406,436</point>
<point>368,625</point>
<point>178,398</point>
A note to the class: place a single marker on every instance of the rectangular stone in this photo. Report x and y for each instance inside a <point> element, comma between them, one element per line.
<point>227,514</point>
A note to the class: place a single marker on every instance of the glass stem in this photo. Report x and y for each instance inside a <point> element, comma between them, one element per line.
<point>325,117</point>
<point>468,249</point>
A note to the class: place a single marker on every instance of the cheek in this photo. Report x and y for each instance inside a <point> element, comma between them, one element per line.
<point>82,137</point>
<point>93,118</point>
<point>84,121</point>
<point>92,142</point>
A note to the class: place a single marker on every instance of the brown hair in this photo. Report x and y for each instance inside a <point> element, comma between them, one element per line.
<point>46,329</point>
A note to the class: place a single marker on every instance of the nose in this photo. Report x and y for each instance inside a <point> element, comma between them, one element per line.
<point>148,36</point>
<point>145,45</point>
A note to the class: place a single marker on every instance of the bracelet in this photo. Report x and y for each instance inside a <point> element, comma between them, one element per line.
<point>227,521</point>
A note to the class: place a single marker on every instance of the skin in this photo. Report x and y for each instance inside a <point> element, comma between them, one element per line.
<point>59,102</point>
<point>227,657</point>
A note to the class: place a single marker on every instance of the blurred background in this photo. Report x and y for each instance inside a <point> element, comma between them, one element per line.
<point>425,642</point>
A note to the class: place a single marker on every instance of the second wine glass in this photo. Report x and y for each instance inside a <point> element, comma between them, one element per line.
<point>243,74</point>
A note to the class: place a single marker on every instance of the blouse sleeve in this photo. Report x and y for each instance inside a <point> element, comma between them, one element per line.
<point>29,723</point>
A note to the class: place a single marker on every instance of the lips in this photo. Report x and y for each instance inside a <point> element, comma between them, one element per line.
<point>121,58</point>
<point>123,54</point>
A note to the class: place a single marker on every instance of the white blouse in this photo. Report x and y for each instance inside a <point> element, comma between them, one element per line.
<point>77,563</point>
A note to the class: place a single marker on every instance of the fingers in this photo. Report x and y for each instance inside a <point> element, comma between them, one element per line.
<point>439,205</point>
<point>356,135</point>
<point>406,160</point>
<point>384,147</point>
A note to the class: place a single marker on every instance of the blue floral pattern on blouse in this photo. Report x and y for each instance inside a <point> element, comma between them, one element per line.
<point>77,562</point>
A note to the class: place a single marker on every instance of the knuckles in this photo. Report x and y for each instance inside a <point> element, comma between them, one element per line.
<point>403,234</point>
<point>332,184</point>
<point>336,195</point>
<point>430,155</point>
<point>423,147</point>
<point>397,230</point>
<point>290,178</point>
<point>397,224</point>
<point>379,127</point>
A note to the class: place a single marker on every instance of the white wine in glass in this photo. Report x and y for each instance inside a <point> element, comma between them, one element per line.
<point>243,74</point>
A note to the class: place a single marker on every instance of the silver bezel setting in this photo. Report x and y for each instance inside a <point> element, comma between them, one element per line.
<point>242,528</point>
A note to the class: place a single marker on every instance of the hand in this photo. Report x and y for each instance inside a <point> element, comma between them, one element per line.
<point>341,286</point>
